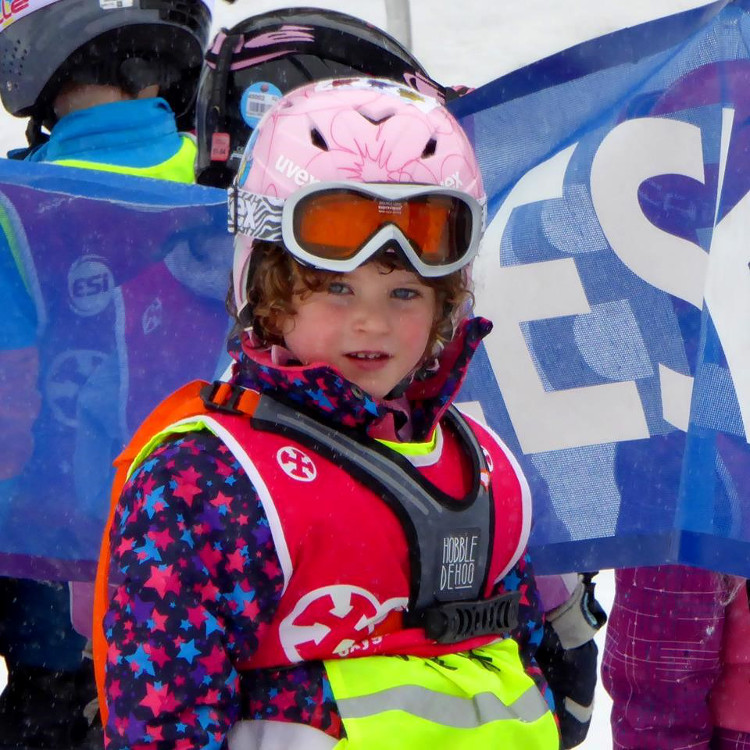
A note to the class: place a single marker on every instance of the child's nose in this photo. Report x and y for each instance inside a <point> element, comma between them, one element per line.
<point>372,317</point>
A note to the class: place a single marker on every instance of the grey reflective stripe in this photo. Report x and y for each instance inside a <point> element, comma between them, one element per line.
<point>579,712</point>
<point>278,735</point>
<point>448,710</point>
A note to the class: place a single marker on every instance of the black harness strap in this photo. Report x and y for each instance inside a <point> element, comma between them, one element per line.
<point>450,542</point>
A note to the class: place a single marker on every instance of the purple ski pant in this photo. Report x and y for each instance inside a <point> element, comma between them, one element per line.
<point>662,655</point>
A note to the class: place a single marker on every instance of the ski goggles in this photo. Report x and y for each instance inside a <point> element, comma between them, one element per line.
<point>337,226</point>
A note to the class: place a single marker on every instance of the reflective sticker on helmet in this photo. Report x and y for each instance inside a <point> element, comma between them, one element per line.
<point>115,4</point>
<point>246,158</point>
<point>12,10</point>
<point>257,100</point>
<point>383,86</point>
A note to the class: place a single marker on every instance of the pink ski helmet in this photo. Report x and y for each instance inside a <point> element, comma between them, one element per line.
<point>362,130</point>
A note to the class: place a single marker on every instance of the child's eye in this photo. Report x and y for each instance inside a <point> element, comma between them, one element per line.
<point>338,287</point>
<point>406,293</point>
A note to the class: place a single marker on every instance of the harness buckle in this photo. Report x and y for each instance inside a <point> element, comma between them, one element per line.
<point>222,397</point>
<point>451,622</point>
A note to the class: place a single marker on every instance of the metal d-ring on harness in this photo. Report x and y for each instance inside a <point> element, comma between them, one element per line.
<point>450,542</point>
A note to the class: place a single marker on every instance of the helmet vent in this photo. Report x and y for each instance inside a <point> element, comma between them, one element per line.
<point>12,65</point>
<point>429,149</point>
<point>376,120</point>
<point>318,140</point>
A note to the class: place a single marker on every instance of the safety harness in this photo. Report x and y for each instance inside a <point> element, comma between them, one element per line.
<point>444,601</point>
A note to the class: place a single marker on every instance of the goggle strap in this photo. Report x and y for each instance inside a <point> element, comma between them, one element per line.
<point>256,216</point>
<point>232,209</point>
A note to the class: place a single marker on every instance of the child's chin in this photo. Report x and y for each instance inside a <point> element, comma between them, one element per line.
<point>373,389</point>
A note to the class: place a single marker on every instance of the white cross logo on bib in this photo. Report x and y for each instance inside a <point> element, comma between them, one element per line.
<point>296,464</point>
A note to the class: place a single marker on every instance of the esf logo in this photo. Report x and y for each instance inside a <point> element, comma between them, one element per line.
<point>90,285</point>
<point>11,9</point>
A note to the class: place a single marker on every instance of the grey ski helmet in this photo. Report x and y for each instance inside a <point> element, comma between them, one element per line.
<point>130,43</point>
<point>251,65</point>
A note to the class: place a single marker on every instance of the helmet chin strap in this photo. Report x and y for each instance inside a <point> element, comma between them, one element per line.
<point>246,316</point>
<point>35,136</point>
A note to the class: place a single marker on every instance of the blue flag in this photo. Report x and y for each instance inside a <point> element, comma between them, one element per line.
<point>113,292</point>
<point>615,269</point>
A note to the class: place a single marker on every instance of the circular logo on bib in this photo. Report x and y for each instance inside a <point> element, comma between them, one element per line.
<point>296,464</point>
<point>334,619</point>
<point>90,285</point>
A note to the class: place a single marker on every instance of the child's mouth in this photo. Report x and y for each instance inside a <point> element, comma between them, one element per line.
<point>368,360</point>
<point>367,355</point>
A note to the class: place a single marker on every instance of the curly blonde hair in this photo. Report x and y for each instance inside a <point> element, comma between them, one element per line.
<point>275,275</point>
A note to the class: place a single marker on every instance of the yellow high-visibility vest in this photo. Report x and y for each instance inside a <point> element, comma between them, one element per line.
<point>464,701</point>
<point>178,168</point>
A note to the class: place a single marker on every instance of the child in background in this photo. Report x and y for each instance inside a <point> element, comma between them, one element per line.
<point>730,696</point>
<point>249,66</point>
<point>683,679</point>
<point>323,539</point>
<point>104,86</point>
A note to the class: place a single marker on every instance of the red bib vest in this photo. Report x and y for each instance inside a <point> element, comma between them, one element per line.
<point>342,550</point>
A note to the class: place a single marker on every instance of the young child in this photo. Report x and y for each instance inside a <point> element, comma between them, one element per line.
<point>247,69</point>
<point>322,550</point>
<point>249,66</point>
<point>683,680</point>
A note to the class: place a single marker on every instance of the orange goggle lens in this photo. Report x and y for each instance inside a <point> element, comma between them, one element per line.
<point>336,224</point>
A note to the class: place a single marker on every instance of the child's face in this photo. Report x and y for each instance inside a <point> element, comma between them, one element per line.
<point>373,325</point>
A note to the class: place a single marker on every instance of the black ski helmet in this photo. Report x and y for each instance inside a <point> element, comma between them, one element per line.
<point>130,43</point>
<point>251,65</point>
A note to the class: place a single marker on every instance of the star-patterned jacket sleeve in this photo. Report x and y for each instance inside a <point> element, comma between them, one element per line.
<point>199,582</point>
<point>530,629</point>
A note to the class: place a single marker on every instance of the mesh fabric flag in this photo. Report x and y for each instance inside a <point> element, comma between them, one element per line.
<point>615,269</point>
<point>113,296</point>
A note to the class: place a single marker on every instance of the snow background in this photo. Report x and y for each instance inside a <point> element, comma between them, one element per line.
<point>472,42</point>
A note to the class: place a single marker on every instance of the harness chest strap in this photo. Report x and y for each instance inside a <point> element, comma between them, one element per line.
<point>434,523</point>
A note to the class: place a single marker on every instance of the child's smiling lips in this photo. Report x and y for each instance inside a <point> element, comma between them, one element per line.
<point>368,359</point>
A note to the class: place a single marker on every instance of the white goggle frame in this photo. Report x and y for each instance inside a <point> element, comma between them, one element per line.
<point>263,217</point>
